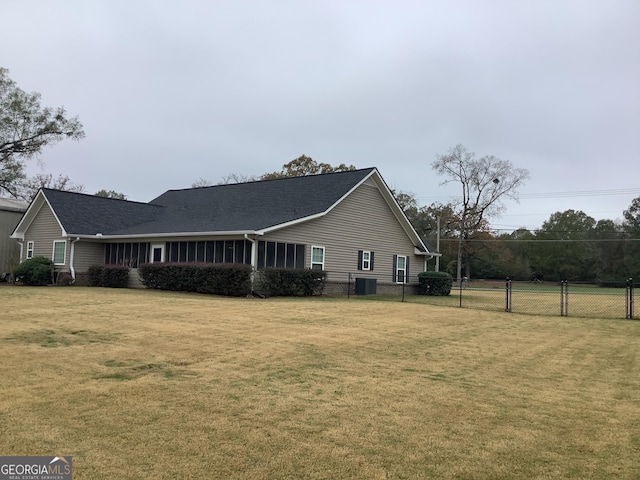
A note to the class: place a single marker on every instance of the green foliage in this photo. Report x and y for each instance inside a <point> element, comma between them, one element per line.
<point>281,282</point>
<point>228,280</point>
<point>434,283</point>
<point>114,276</point>
<point>25,129</point>
<point>110,194</point>
<point>36,271</point>
<point>303,165</point>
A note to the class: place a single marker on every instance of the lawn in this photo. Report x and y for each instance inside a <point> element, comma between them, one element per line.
<point>138,384</point>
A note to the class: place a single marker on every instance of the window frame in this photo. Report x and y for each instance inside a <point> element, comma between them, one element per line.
<point>322,263</point>
<point>64,252</point>
<point>365,264</point>
<point>397,269</point>
<point>30,249</point>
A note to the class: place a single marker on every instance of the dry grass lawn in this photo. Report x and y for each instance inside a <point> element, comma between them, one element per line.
<point>146,384</point>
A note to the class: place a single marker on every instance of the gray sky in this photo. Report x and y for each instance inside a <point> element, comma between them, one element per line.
<point>173,91</point>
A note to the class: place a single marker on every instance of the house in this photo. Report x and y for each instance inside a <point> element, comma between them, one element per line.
<point>11,212</point>
<point>347,223</point>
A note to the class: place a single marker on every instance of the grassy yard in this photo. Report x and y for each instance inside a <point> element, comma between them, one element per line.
<point>143,384</point>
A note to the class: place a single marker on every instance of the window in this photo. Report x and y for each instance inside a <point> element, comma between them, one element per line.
<point>59,250</point>
<point>317,258</point>
<point>400,269</point>
<point>30,246</point>
<point>365,260</point>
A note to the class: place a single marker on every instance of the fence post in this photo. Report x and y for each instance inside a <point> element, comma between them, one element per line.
<point>404,280</point>
<point>508,297</point>
<point>564,302</point>
<point>564,298</point>
<point>629,299</point>
<point>349,286</point>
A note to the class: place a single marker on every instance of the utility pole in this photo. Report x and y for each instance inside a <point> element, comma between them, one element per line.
<point>438,246</point>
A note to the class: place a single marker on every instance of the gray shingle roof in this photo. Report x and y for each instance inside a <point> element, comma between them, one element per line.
<point>238,207</point>
<point>87,214</point>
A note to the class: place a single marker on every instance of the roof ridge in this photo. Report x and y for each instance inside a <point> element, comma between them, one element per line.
<point>270,180</point>
<point>94,196</point>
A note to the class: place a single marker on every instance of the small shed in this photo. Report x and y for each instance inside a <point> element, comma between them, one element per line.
<point>11,212</point>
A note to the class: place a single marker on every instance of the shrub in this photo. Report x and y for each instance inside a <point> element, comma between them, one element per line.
<point>280,282</point>
<point>114,276</point>
<point>231,280</point>
<point>434,283</point>
<point>35,271</point>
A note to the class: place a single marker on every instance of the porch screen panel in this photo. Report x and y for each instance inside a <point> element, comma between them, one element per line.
<point>135,252</point>
<point>200,251</point>
<point>239,251</point>
<point>271,255</point>
<point>291,256</point>
<point>281,253</point>
<point>208,254</point>
<point>300,256</point>
<point>247,252</point>
<point>219,254</point>
<point>191,251</point>
<point>262,245</point>
<point>182,252</point>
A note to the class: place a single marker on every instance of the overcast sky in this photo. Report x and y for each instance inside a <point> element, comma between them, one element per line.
<point>173,91</point>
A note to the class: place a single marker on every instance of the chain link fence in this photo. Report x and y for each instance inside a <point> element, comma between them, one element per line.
<point>535,298</point>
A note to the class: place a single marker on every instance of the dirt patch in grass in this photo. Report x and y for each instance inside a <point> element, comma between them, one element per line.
<point>162,385</point>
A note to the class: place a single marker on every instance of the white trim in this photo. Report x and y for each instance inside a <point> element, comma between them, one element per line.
<point>312,263</point>
<point>403,269</point>
<point>368,260</point>
<point>32,249</point>
<point>64,252</point>
<point>152,247</point>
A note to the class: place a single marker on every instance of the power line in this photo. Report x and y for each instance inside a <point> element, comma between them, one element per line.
<point>580,193</point>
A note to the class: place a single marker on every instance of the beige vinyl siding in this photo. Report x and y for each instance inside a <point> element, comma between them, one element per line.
<point>362,221</point>
<point>87,254</point>
<point>42,232</point>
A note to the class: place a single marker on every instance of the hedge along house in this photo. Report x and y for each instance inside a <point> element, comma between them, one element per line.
<point>10,213</point>
<point>339,222</point>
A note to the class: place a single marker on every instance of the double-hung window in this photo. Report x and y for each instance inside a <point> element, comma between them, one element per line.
<point>317,258</point>
<point>365,260</point>
<point>59,251</point>
<point>400,269</point>
<point>30,248</point>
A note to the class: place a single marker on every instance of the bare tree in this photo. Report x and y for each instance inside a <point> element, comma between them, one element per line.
<point>484,183</point>
<point>27,189</point>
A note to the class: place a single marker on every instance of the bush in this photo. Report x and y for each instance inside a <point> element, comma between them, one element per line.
<point>36,271</point>
<point>114,276</point>
<point>230,280</point>
<point>434,283</point>
<point>280,282</point>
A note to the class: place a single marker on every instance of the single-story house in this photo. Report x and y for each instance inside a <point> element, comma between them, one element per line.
<point>344,223</point>
<point>11,212</point>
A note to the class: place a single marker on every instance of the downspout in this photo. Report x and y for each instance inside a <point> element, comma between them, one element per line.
<point>71,254</point>
<point>253,259</point>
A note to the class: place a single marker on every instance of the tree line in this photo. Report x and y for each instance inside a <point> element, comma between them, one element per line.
<point>570,245</point>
